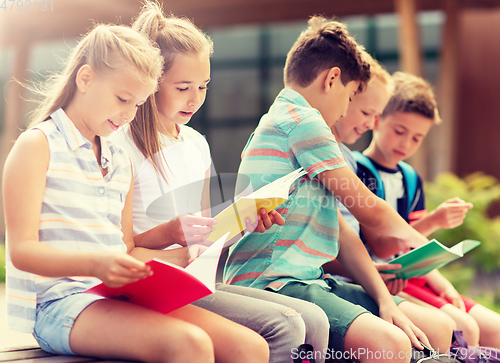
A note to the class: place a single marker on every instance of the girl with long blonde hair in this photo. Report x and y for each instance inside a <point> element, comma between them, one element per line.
<point>67,198</point>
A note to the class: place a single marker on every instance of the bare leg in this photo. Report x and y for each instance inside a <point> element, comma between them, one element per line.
<point>145,335</point>
<point>465,322</point>
<point>489,325</point>
<point>114,329</point>
<point>377,339</point>
<point>437,325</point>
<point>232,342</point>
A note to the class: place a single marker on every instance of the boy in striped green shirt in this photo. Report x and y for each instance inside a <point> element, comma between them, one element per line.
<point>324,68</point>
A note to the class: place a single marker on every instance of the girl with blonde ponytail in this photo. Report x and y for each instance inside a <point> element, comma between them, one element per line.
<point>67,197</point>
<point>172,167</point>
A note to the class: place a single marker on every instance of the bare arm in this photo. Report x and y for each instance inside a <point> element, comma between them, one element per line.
<point>371,211</point>
<point>357,262</point>
<point>23,191</point>
<point>205,198</point>
<point>382,246</point>
<point>178,256</point>
<point>444,288</point>
<point>355,259</point>
<point>335,268</point>
<point>181,230</point>
<point>448,215</point>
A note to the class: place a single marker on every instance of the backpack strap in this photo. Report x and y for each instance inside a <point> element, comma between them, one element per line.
<point>409,174</point>
<point>368,164</point>
<point>411,181</point>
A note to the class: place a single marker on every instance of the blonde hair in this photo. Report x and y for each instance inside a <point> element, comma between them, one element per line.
<point>379,73</point>
<point>412,94</point>
<point>104,48</point>
<point>174,36</point>
<point>325,44</point>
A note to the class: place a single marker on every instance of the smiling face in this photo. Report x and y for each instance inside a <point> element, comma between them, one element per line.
<point>398,136</point>
<point>107,100</point>
<point>182,90</point>
<point>363,109</point>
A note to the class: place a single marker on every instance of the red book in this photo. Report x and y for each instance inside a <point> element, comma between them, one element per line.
<point>170,287</point>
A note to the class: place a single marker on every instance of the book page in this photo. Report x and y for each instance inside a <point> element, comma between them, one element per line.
<point>170,286</point>
<point>278,188</point>
<point>204,267</point>
<point>464,247</point>
<point>428,257</point>
<point>232,219</point>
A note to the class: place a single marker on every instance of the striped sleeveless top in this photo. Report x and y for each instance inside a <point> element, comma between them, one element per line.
<point>81,211</point>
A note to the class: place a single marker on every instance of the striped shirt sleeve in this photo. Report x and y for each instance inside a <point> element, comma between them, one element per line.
<point>315,147</point>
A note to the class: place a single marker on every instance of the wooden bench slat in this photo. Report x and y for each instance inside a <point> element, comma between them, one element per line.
<point>57,359</point>
<point>37,355</point>
<point>22,354</point>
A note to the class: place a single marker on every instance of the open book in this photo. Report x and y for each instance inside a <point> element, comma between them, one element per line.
<point>232,219</point>
<point>170,287</point>
<point>428,257</point>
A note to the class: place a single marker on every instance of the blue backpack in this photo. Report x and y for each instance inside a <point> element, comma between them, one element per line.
<point>409,174</point>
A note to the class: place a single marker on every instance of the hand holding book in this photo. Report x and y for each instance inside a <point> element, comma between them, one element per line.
<point>232,218</point>
<point>170,286</point>
<point>424,259</point>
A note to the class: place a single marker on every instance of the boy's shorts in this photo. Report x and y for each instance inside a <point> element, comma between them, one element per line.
<point>417,287</point>
<point>342,304</point>
<point>55,319</point>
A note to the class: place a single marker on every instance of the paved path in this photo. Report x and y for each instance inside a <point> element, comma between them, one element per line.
<point>10,338</point>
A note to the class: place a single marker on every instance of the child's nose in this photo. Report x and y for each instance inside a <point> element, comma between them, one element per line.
<point>405,141</point>
<point>371,123</point>
<point>195,99</point>
<point>129,113</point>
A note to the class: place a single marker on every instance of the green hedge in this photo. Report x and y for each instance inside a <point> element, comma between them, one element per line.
<point>482,191</point>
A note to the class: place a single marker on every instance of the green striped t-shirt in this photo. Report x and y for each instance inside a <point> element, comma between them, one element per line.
<point>291,135</point>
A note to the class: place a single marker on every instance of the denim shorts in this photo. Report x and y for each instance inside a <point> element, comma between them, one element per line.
<point>55,319</point>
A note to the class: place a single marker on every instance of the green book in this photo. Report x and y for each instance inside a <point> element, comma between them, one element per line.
<point>428,257</point>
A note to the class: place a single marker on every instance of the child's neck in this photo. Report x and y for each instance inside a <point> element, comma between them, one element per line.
<point>169,128</point>
<point>75,116</point>
<point>337,138</point>
<point>374,153</point>
<point>309,93</point>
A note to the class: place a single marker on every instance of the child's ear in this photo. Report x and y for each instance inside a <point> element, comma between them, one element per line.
<point>332,78</point>
<point>84,77</point>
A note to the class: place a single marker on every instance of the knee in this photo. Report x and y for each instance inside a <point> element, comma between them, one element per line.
<point>390,345</point>
<point>441,333</point>
<point>254,349</point>
<point>394,340</point>
<point>316,321</point>
<point>191,344</point>
<point>378,341</point>
<point>317,327</point>
<point>284,328</point>
<point>446,324</point>
<point>468,325</point>
<point>293,326</point>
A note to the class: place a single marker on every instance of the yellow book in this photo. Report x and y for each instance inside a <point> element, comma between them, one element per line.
<point>270,196</point>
